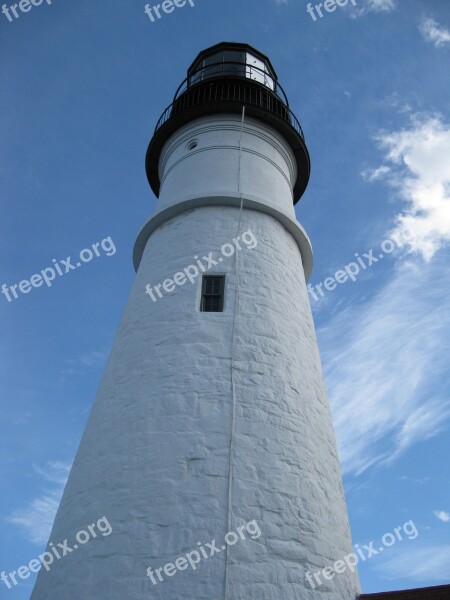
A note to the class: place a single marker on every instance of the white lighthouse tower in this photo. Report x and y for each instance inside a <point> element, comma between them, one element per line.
<point>212,412</point>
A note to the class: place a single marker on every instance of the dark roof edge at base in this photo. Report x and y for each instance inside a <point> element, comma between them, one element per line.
<point>436,592</point>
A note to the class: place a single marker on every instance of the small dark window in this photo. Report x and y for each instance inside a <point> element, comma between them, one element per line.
<point>230,58</point>
<point>213,287</point>
<point>212,65</point>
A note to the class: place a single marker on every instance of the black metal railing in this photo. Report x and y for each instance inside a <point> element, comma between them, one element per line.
<point>240,90</point>
<point>239,69</point>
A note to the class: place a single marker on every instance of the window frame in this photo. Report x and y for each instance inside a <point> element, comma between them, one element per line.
<point>220,295</point>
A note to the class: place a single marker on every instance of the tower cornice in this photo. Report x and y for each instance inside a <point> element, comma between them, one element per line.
<point>249,203</point>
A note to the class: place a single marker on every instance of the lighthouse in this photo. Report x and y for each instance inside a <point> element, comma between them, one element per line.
<point>209,461</point>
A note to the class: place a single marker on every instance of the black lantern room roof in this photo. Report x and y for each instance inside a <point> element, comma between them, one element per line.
<point>223,79</point>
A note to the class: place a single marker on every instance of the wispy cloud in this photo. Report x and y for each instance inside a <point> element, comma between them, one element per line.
<point>418,480</point>
<point>417,168</point>
<point>431,563</point>
<point>55,472</point>
<point>89,360</point>
<point>384,359</point>
<point>366,6</point>
<point>362,7</point>
<point>371,175</point>
<point>36,519</point>
<point>384,363</point>
<point>434,33</point>
<point>442,515</point>
<point>93,358</point>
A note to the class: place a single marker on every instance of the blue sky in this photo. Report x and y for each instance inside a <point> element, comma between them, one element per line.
<point>82,87</point>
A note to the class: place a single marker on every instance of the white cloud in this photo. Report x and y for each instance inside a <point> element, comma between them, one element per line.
<point>431,563</point>
<point>381,5</point>
<point>423,423</point>
<point>366,6</point>
<point>55,472</point>
<point>362,6</point>
<point>36,519</point>
<point>419,480</point>
<point>93,358</point>
<point>371,175</point>
<point>385,367</point>
<point>419,170</point>
<point>88,360</point>
<point>442,515</point>
<point>385,359</point>
<point>434,33</point>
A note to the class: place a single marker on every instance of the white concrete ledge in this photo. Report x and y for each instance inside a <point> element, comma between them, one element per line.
<point>294,228</point>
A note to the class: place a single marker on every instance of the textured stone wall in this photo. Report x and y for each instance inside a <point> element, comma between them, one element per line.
<point>185,395</point>
<point>155,454</point>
